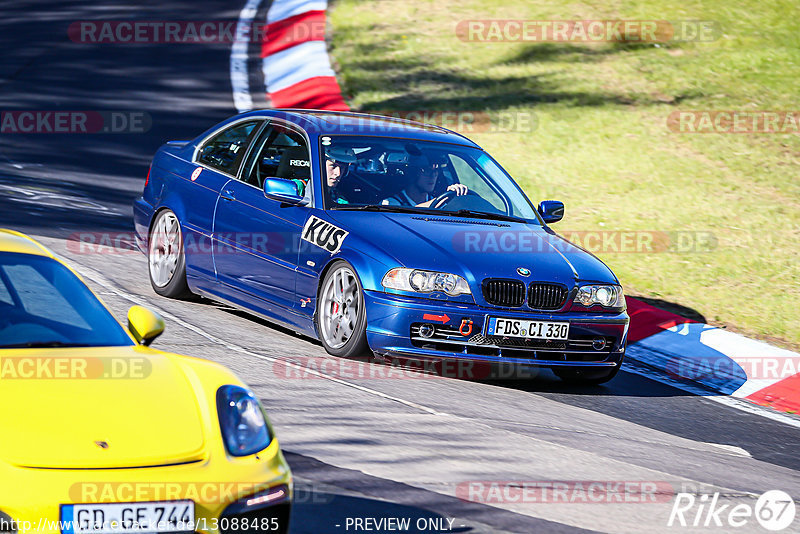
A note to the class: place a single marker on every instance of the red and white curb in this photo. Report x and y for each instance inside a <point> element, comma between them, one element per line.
<point>715,359</point>
<point>693,356</point>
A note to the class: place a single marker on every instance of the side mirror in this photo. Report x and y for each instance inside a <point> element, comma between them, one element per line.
<point>282,191</point>
<point>551,210</point>
<point>144,325</point>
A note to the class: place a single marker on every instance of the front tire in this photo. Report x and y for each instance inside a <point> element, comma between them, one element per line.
<point>341,314</point>
<point>165,257</point>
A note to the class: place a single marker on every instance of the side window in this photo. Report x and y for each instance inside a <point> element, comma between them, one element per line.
<point>225,150</point>
<point>279,152</point>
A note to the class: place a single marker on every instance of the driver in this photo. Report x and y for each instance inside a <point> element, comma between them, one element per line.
<point>420,192</point>
<point>337,165</point>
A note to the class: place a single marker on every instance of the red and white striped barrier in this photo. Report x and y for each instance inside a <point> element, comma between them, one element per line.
<point>294,60</point>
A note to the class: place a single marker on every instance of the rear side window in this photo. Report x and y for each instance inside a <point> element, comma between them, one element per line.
<point>279,152</point>
<point>225,150</point>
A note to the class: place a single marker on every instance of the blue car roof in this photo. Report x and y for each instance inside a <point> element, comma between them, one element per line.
<point>320,122</point>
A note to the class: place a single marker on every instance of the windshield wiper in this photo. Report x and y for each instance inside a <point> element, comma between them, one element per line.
<point>485,215</point>
<point>386,207</point>
<point>431,211</point>
<point>42,345</point>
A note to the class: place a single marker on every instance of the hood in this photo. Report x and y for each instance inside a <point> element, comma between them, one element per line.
<point>137,402</point>
<point>475,248</point>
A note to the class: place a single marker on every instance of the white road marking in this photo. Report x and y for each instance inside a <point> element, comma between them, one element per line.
<point>99,279</point>
<point>733,449</point>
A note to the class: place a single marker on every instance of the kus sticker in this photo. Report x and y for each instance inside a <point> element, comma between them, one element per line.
<point>324,234</point>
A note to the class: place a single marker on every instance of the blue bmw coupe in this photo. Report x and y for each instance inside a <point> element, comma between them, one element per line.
<point>380,235</point>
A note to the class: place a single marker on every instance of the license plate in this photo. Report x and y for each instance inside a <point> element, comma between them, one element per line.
<point>120,518</point>
<point>500,326</point>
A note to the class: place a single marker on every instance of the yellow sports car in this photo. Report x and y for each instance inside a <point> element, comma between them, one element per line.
<point>101,434</point>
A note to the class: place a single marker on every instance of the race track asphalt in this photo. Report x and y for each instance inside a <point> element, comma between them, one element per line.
<point>377,446</point>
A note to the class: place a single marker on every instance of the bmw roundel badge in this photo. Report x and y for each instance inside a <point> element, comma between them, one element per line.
<point>523,271</point>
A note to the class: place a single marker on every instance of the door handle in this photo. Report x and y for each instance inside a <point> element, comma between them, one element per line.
<point>228,194</point>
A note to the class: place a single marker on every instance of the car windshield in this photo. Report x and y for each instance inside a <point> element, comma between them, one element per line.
<point>390,174</point>
<point>43,304</point>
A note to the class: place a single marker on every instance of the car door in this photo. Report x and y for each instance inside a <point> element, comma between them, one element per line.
<point>216,161</point>
<point>255,237</point>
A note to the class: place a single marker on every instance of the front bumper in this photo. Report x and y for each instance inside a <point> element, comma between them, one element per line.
<point>393,328</point>
<point>222,489</point>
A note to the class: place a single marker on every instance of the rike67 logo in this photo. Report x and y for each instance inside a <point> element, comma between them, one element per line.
<point>774,511</point>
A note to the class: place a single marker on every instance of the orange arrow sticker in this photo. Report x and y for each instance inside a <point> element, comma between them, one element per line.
<point>440,318</point>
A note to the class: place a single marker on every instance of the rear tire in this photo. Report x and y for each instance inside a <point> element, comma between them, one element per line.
<point>586,376</point>
<point>166,260</point>
<point>341,314</point>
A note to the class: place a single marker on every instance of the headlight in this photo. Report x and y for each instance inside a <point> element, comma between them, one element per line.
<point>244,429</point>
<point>606,296</point>
<point>425,281</point>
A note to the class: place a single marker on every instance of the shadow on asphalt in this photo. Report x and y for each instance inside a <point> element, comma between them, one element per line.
<point>326,496</point>
<point>677,309</point>
<point>316,511</point>
<point>534,381</point>
<point>59,208</point>
<point>623,385</point>
<point>255,319</point>
<point>91,179</point>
